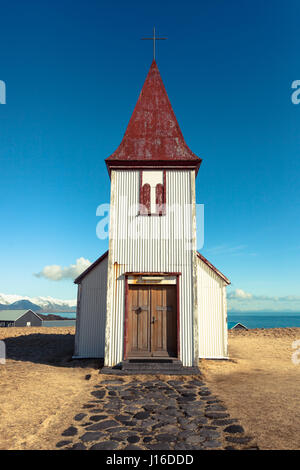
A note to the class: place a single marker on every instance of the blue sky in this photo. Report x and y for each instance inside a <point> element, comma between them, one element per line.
<point>73,72</point>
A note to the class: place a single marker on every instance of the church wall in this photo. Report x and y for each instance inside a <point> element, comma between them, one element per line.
<point>212,313</point>
<point>149,244</point>
<point>91,312</point>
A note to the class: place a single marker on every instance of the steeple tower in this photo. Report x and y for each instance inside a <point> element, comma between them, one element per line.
<point>153,137</point>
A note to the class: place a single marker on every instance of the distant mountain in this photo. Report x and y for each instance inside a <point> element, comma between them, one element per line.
<point>22,305</point>
<point>38,304</point>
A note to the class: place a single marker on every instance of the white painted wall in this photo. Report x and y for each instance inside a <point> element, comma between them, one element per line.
<point>91,313</point>
<point>212,309</point>
<point>149,244</point>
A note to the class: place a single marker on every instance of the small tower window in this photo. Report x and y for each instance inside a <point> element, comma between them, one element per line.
<point>145,202</point>
<point>152,192</point>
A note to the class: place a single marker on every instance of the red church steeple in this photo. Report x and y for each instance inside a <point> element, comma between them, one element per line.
<point>153,137</point>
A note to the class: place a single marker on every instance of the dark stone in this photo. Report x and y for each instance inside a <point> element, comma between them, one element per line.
<point>98,394</point>
<point>80,416</point>
<point>215,408</point>
<point>71,431</point>
<point>212,444</point>
<point>112,394</point>
<point>97,418</point>
<point>233,428</point>
<point>87,377</point>
<point>123,418</point>
<point>88,406</point>
<point>78,446</point>
<point>63,443</point>
<point>166,437</point>
<point>92,436</point>
<point>103,425</point>
<point>160,446</point>
<point>238,440</point>
<point>230,448</point>
<point>132,447</point>
<point>133,439</point>
<point>216,415</point>
<point>142,415</point>
<point>223,422</point>
<point>204,393</point>
<point>209,433</point>
<point>147,439</point>
<point>105,445</point>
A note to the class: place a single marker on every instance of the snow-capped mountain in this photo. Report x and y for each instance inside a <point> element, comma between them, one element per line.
<point>44,304</point>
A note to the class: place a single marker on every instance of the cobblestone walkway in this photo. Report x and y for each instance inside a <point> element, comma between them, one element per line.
<point>154,414</point>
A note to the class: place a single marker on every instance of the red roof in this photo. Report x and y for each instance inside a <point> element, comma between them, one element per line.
<point>211,266</point>
<point>153,136</point>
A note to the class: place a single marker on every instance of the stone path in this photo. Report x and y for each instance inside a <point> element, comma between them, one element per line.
<point>154,414</point>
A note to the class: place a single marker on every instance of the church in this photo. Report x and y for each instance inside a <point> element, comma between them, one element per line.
<point>152,298</point>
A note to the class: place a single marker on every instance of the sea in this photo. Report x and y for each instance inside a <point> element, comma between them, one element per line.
<point>249,319</point>
<point>264,319</point>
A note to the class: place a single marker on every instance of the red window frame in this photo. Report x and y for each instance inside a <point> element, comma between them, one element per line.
<point>145,197</point>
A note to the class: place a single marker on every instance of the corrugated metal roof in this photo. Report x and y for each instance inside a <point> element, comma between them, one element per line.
<point>12,315</point>
<point>153,134</point>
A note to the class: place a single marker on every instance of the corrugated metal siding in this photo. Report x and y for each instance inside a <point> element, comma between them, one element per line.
<point>91,314</point>
<point>152,250</point>
<point>212,313</point>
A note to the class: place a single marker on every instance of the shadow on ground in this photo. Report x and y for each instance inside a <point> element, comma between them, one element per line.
<point>54,349</point>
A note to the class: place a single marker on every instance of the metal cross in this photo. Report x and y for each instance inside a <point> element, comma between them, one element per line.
<point>154,38</point>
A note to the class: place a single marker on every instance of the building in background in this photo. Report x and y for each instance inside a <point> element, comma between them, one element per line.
<point>19,318</point>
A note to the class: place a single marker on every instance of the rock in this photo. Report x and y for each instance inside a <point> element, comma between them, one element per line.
<point>204,393</point>
<point>92,436</point>
<point>238,440</point>
<point>165,437</point>
<point>109,423</point>
<point>63,443</point>
<point>215,408</point>
<point>132,447</point>
<point>122,418</point>
<point>234,428</point>
<point>98,394</point>
<point>105,445</point>
<point>223,422</point>
<point>71,431</point>
<point>147,439</point>
<point>78,446</point>
<point>212,444</point>
<point>133,439</point>
<point>97,418</point>
<point>80,416</point>
<point>194,440</point>
<point>87,377</point>
<point>216,415</point>
<point>142,415</point>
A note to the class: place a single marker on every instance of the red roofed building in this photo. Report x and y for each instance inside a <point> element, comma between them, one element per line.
<point>152,298</point>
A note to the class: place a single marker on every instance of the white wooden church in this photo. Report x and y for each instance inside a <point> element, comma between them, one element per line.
<point>152,296</point>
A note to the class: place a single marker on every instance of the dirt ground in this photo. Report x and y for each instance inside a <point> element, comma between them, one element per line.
<point>260,385</point>
<point>42,388</point>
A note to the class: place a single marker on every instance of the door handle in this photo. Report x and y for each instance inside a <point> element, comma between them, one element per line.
<point>153,320</point>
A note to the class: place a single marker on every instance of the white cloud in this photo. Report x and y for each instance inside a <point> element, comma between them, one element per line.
<point>239,300</point>
<point>58,273</point>
<point>239,294</point>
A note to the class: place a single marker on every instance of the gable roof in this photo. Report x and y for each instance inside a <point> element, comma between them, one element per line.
<point>153,136</point>
<point>90,268</point>
<point>211,266</point>
<point>14,315</point>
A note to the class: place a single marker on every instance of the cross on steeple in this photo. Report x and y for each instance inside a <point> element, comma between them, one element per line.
<point>154,38</point>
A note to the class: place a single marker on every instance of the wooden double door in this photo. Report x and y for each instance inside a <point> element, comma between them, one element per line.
<point>152,321</point>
